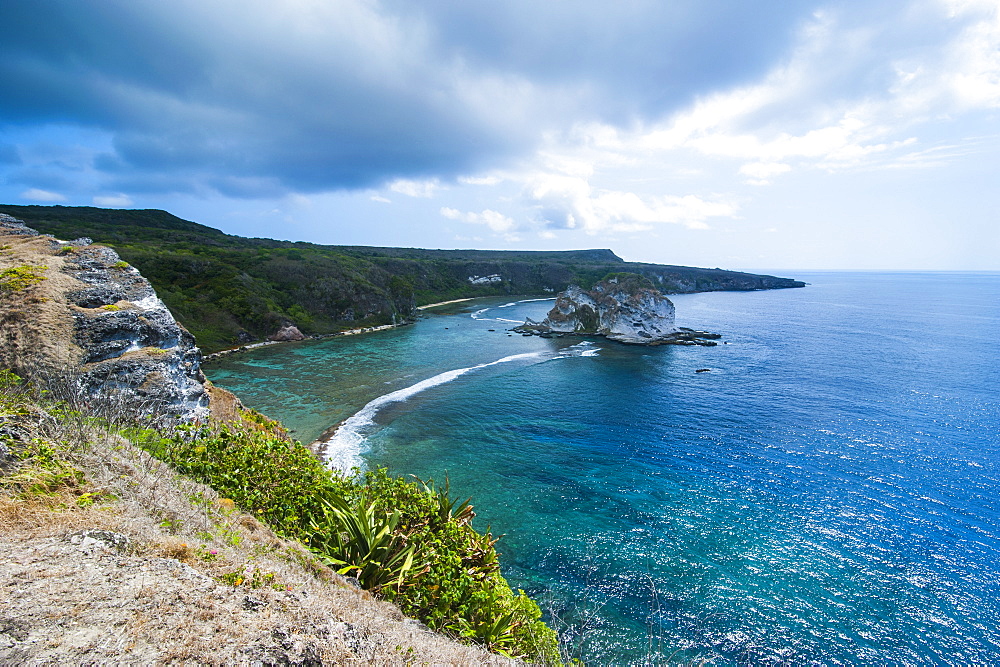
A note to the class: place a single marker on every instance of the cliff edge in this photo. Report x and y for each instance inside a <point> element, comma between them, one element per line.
<point>110,555</point>
<point>78,318</point>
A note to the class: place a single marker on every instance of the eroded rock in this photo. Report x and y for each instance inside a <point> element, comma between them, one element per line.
<point>289,332</point>
<point>95,326</point>
<point>623,307</point>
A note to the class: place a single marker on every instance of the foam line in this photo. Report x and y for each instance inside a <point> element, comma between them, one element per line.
<point>343,448</point>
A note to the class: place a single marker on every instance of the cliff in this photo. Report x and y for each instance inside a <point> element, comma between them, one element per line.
<point>89,324</point>
<point>624,307</point>
<point>111,550</point>
<point>108,554</point>
<point>228,290</point>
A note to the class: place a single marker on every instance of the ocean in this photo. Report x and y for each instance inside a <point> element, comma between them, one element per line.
<point>827,492</point>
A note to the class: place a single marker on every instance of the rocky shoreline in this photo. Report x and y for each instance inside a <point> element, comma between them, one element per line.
<point>349,332</point>
<point>683,336</point>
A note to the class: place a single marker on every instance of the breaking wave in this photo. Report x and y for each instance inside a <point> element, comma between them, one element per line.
<point>343,449</point>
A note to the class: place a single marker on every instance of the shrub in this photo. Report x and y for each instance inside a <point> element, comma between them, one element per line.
<point>408,541</point>
<point>19,278</point>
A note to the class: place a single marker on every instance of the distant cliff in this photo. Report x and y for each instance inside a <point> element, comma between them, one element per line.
<point>78,318</point>
<point>228,289</point>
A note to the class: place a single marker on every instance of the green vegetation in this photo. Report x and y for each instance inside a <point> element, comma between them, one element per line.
<point>229,289</point>
<point>629,281</point>
<point>19,278</point>
<point>408,541</point>
<point>45,470</point>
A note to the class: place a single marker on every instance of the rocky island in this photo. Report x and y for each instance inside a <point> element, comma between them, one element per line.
<point>624,307</point>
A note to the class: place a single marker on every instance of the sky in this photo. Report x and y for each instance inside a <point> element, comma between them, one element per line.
<point>777,134</point>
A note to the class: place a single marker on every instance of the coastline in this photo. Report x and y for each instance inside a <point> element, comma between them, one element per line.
<point>349,332</point>
<point>444,303</point>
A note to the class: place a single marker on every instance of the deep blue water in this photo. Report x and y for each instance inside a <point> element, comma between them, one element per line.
<point>829,492</point>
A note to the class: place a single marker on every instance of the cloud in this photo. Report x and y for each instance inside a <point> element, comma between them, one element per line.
<point>36,194</point>
<point>422,189</point>
<point>626,61</point>
<point>496,221</point>
<point>854,93</point>
<point>253,99</point>
<point>113,201</point>
<point>480,180</point>
<point>761,173</point>
<point>312,96</point>
<point>567,202</point>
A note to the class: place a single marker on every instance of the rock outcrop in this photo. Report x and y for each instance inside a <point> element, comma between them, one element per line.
<point>624,307</point>
<point>287,333</point>
<point>93,325</point>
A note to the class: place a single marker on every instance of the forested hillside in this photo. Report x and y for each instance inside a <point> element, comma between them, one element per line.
<point>228,289</point>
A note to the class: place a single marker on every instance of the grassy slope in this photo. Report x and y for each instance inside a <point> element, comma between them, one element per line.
<point>243,593</point>
<point>227,289</point>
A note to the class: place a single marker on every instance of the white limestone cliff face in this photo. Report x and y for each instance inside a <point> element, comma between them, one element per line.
<point>96,324</point>
<point>626,309</point>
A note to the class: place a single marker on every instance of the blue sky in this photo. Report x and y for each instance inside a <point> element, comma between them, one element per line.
<point>775,134</point>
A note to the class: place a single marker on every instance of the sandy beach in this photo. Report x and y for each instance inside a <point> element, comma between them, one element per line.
<point>442,303</point>
<point>349,332</point>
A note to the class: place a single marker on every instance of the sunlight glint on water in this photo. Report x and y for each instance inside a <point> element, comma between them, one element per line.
<point>829,491</point>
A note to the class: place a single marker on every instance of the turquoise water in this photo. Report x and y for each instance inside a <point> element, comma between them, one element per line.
<point>828,492</point>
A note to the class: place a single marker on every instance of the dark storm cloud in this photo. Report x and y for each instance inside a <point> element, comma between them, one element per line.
<point>254,98</point>
<point>639,58</point>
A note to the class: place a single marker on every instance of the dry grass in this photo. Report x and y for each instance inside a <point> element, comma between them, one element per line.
<point>107,555</point>
<point>36,324</point>
<point>224,404</point>
<point>196,582</point>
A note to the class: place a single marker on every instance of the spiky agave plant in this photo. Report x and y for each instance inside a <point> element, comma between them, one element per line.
<point>363,542</point>
<point>448,509</point>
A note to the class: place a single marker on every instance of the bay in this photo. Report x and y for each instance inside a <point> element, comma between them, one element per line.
<point>828,492</point>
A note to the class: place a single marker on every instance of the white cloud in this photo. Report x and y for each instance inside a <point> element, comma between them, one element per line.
<point>422,189</point>
<point>380,199</point>
<point>761,173</point>
<point>496,221</point>
<point>113,201</point>
<point>567,202</point>
<point>842,100</point>
<point>974,63</point>
<point>36,194</point>
<point>480,180</point>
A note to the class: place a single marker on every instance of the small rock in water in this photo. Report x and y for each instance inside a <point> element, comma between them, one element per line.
<point>703,370</point>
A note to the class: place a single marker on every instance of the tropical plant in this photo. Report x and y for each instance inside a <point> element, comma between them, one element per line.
<point>411,542</point>
<point>363,542</point>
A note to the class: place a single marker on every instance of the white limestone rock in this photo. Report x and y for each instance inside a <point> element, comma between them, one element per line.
<point>626,308</point>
